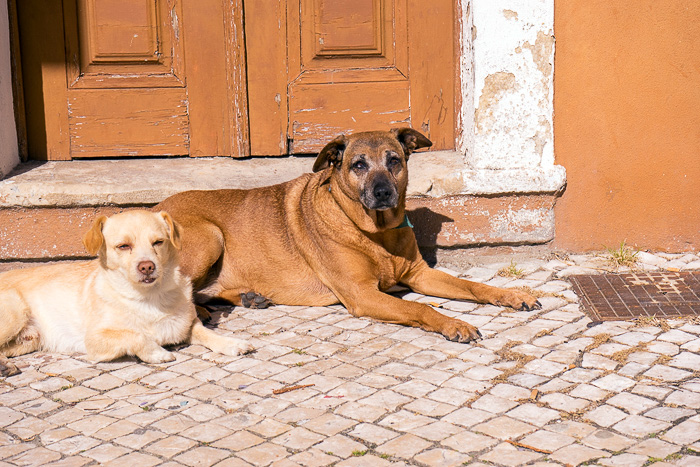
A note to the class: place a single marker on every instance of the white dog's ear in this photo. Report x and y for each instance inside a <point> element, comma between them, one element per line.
<point>93,239</point>
<point>173,229</point>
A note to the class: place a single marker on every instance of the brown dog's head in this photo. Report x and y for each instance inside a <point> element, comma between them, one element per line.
<point>370,168</point>
<point>139,246</point>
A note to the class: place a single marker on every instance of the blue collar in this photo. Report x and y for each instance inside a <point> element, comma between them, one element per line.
<point>405,223</point>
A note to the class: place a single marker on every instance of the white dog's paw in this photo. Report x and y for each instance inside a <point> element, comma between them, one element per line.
<point>237,347</point>
<point>159,355</point>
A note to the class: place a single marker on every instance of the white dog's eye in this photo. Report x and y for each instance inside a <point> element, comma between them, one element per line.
<point>124,247</point>
<point>158,242</point>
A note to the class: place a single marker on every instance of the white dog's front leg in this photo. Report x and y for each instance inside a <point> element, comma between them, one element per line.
<point>221,344</point>
<point>154,353</point>
<point>109,344</point>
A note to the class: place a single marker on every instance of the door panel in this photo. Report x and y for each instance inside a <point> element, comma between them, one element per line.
<point>108,78</point>
<point>316,120</point>
<point>350,66</point>
<point>342,31</point>
<point>123,43</point>
<point>433,69</point>
<point>344,69</point>
<point>266,63</point>
<point>128,122</point>
<point>126,96</point>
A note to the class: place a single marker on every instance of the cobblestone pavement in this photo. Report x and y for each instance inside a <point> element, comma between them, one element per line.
<point>542,387</point>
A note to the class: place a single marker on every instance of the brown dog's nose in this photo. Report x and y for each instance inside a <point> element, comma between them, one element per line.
<point>382,192</point>
<point>146,267</point>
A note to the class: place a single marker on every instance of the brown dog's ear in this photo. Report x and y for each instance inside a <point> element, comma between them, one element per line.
<point>410,139</point>
<point>93,239</point>
<point>173,229</point>
<point>332,153</point>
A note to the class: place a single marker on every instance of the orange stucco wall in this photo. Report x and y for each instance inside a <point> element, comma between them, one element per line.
<point>627,123</point>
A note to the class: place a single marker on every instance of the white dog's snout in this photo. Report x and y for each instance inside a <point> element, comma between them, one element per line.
<point>146,268</point>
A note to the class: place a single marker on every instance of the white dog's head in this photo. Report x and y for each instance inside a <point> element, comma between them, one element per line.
<point>140,245</point>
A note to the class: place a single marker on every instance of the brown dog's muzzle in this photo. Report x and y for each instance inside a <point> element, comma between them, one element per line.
<point>380,194</point>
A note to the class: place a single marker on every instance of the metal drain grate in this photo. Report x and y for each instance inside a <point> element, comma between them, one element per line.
<point>643,294</point>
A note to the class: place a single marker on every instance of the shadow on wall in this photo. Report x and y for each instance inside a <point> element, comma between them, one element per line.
<point>427,225</point>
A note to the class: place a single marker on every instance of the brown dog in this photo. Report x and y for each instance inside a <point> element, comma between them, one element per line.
<point>336,235</point>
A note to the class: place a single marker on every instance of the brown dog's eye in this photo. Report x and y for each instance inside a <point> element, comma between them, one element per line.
<point>158,242</point>
<point>393,161</point>
<point>359,165</point>
<point>124,247</point>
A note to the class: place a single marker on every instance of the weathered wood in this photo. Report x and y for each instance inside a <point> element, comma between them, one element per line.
<point>215,69</point>
<point>236,80</point>
<point>347,66</point>
<point>315,68</point>
<point>17,83</point>
<point>433,53</point>
<point>317,116</point>
<point>266,38</point>
<point>128,122</point>
<point>123,44</point>
<point>43,59</point>
<point>116,83</point>
<point>345,71</point>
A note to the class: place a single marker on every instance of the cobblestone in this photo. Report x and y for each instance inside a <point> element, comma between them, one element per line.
<point>542,388</point>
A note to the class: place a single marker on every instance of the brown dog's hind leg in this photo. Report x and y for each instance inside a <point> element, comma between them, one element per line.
<point>204,245</point>
<point>202,313</point>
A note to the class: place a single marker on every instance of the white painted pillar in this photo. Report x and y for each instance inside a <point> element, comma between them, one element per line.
<point>507,76</point>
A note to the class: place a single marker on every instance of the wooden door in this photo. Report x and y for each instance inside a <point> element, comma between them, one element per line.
<point>318,68</point>
<point>109,78</point>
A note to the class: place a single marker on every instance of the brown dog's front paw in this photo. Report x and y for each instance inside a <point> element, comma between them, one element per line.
<point>255,301</point>
<point>459,331</point>
<point>518,300</point>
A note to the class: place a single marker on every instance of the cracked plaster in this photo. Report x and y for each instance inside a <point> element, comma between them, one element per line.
<point>507,88</point>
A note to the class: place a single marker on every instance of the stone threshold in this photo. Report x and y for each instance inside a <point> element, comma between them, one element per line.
<point>147,181</point>
<point>46,207</point>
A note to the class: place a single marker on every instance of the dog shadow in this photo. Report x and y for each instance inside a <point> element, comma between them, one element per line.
<point>427,225</point>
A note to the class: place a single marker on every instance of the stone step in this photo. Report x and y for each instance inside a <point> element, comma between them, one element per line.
<point>45,207</point>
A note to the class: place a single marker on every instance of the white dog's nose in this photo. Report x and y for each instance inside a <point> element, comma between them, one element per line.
<point>146,267</point>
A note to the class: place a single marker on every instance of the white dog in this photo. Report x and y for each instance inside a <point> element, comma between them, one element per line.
<point>131,300</point>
